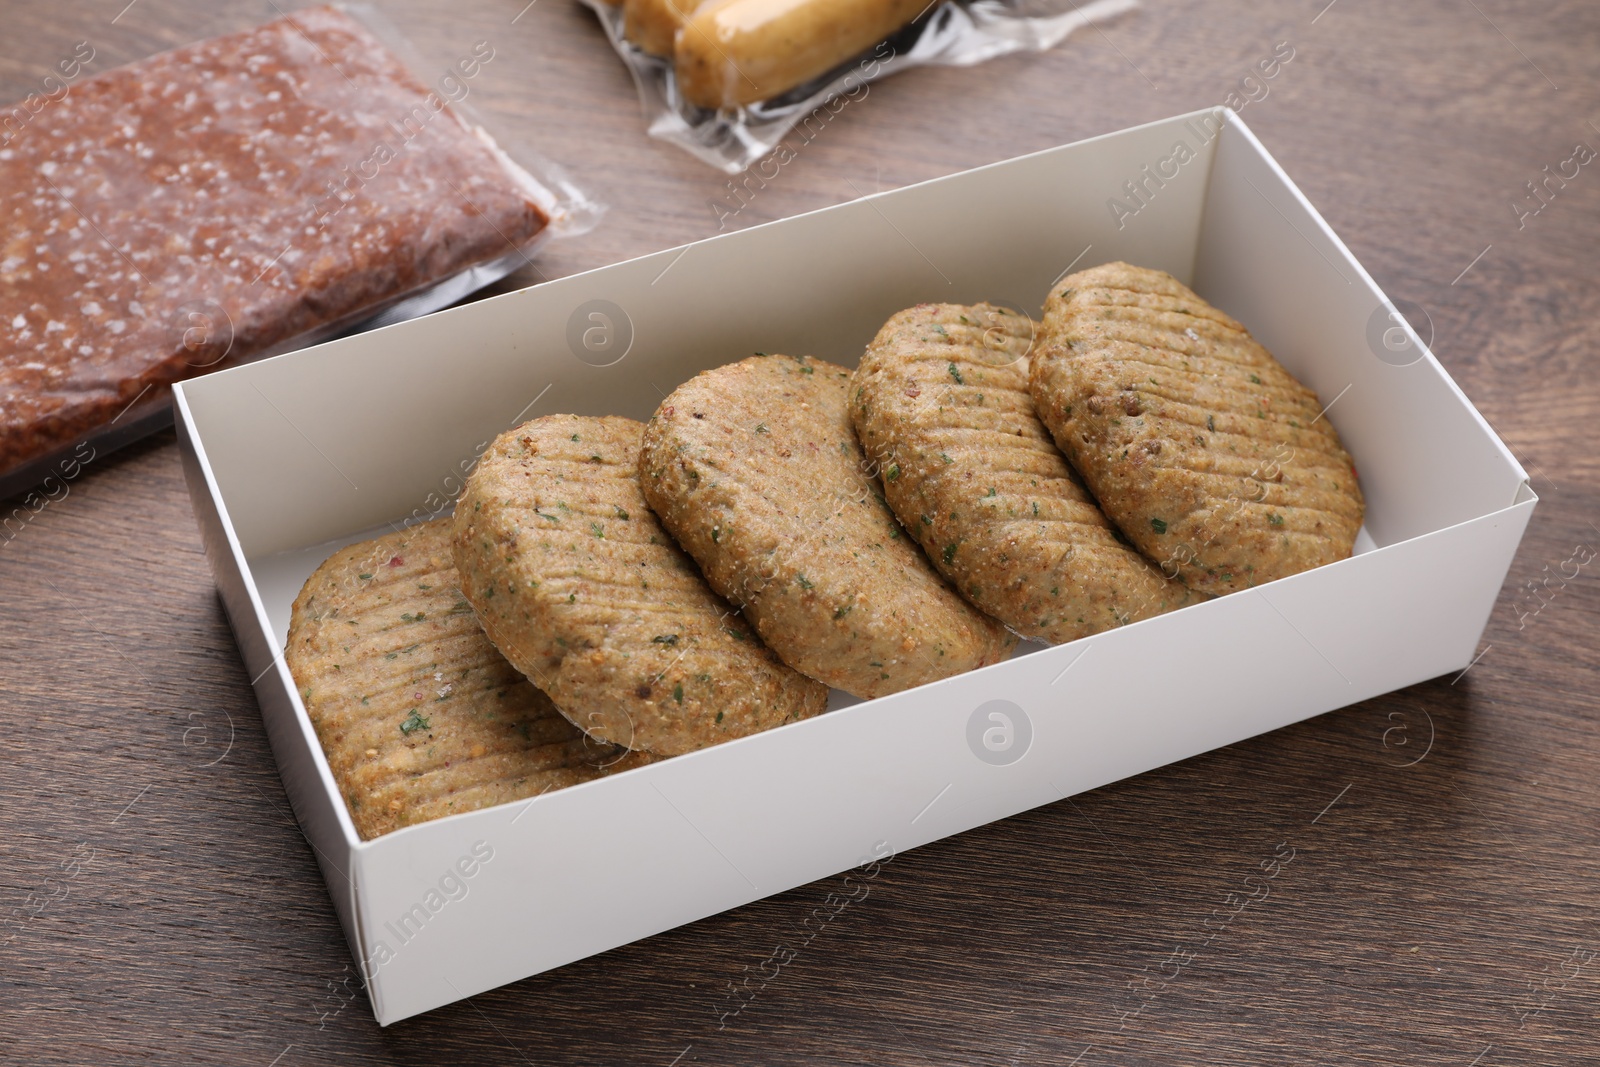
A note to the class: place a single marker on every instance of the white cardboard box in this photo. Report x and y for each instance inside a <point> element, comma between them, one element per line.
<point>292,457</point>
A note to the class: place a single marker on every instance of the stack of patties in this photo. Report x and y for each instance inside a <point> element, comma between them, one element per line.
<point>551,634</point>
<point>1198,464</point>
<point>577,583</point>
<point>755,469</point>
<point>941,404</point>
<point>554,631</point>
<point>418,714</point>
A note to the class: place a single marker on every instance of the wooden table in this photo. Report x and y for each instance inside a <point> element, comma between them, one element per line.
<point>1439,907</point>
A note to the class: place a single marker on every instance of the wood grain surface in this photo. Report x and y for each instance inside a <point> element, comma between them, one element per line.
<point>159,904</point>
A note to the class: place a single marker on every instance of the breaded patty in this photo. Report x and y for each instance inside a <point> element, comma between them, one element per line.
<point>940,403</point>
<point>755,469</point>
<point>417,713</point>
<point>583,591</point>
<point>1209,455</point>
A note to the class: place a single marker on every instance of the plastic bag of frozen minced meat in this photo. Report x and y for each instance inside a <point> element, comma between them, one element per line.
<point>233,198</point>
<point>726,79</point>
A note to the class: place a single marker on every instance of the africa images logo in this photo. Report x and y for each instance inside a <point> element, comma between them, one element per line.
<point>999,732</point>
<point>453,885</point>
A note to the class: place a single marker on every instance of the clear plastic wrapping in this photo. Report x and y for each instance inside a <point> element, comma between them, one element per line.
<point>233,199</point>
<point>947,32</point>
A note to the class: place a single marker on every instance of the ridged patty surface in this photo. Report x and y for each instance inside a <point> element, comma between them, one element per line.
<point>940,403</point>
<point>1210,456</point>
<point>584,592</point>
<point>418,715</point>
<point>755,468</point>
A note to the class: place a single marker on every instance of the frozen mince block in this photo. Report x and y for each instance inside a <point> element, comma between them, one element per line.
<point>224,200</point>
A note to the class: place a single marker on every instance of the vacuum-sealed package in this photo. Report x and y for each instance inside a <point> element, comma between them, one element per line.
<point>235,198</point>
<point>727,79</point>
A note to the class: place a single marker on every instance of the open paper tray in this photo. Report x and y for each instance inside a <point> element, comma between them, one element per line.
<point>365,430</point>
